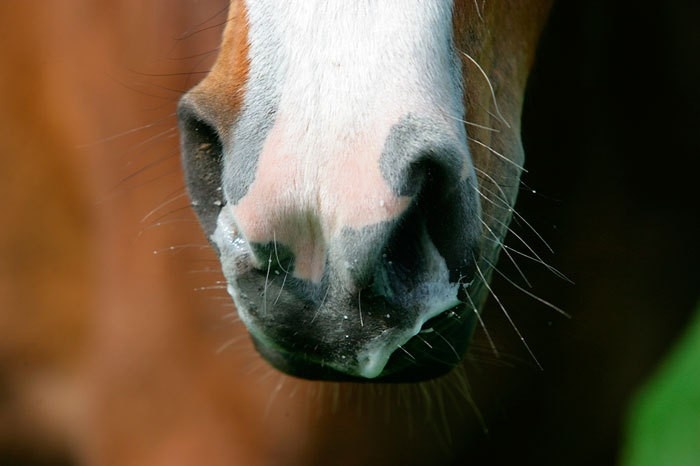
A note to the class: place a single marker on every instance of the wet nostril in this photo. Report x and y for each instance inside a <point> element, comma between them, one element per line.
<point>201,151</point>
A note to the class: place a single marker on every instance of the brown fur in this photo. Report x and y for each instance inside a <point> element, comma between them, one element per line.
<point>220,93</point>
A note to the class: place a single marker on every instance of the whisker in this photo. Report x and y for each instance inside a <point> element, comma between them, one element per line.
<point>498,241</point>
<point>267,284</point>
<point>514,211</point>
<point>551,268</point>
<point>160,121</point>
<point>207,270</point>
<point>478,10</point>
<point>186,208</point>
<point>211,287</point>
<point>233,317</point>
<point>180,248</point>
<point>425,341</point>
<point>229,343</point>
<point>471,123</point>
<point>189,34</point>
<point>492,343</point>
<point>320,306</point>
<point>167,75</point>
<point>168,202</point>
<point>488,81</point>
<point>520,218</point>
<point>195,55</point>
<point>495,152</point>
<point>407,352</point>
<point>274,243</point>
<point>166,133</point>
<point>359,306</point>
<point>165,223</point>
<point>284,280</point>
<point>517,214</point>
<point>464,389</point>
<point>503,197</point>
<point>486,194</point>
<point>143,169</point>
<point>447,342</point>
<point>273,396</point>
<point>510,319</point>
<point>195,28</point>
<point>532,251</point>
<point>532,295</point>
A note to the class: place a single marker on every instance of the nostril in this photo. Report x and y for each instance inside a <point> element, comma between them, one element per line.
<point>442,223</point>
<point>402,253</point>
<point>273,257</point>
<point>201,151</point>
<point>418,174</point>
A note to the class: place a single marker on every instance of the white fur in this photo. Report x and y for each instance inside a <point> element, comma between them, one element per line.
<point>341,64</point>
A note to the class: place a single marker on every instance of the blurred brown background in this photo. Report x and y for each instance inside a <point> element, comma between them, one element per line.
<point>108,352</point>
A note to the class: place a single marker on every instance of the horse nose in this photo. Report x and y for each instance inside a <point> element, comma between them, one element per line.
<point>337,249</point>
<point>350,208</point>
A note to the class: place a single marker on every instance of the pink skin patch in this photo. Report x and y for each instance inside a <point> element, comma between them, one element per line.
<point>306,191</point>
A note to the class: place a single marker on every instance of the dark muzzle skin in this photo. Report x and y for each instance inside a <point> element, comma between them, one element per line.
<point>355,225</point>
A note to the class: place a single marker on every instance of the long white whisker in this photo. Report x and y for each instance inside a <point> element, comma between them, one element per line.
<point>489,196</point>
<point>532,229</point>
<point>407,352</point>
<point>284,280</point>
<point>161,121</point>
<point>454,351</point>
<point>320,306</point>
<point>498,154</point>
<point>471,123</point>
<point>498,186</point>
<point>164,223</point>
<point>359,307</point>
<point>512,259</point>
<point>488,81</point>
<point>180,247</point>
<point>478,10</point>
<point>510,319</point>
<point>532,295</point>
<point>483,326</point>
<point>539,261</point>
<point>267,284</point>
<point>274,242</point>
<point>515,212</point>
<point>532,251</point>
<point>166,203</point>
<point>166,133</point>
<point>273,396</point>
<point>229,343</point>
<point>211,287</point>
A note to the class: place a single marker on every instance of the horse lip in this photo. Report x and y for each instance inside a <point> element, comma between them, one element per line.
<point>400,367</point>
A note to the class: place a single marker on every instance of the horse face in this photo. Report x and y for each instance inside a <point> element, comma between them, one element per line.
<point>327,157</point>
